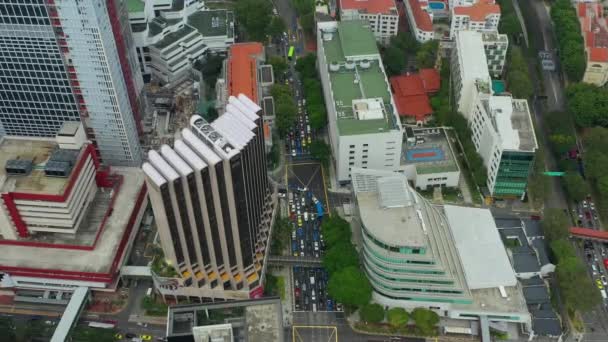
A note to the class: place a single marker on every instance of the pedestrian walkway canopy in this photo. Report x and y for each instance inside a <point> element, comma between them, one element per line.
<point>71,314</point>
<point>586,233</point>
<point>136,271</point>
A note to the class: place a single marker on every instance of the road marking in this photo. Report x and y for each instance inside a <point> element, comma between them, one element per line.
<point>325,190</point>
<point>330,337</point>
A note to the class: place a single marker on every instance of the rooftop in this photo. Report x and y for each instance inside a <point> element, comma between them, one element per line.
<point>174,37</point>
<point>355,73</point>
<point>471,50</point>
<point>478,11</point>
<point>421,17</point>
<point>134,6</point>
<point>431,153</point>
<point>595,31</point>
<point>211,23</point>
<point>251,320</point>
<point>102,257</point>
<point>410,93</point>
<point>158,24</point>
<point>512,122</point>
<point>479,245</point>
<point>38,151</point>
<point>370,6</point>
<point>242,69</point>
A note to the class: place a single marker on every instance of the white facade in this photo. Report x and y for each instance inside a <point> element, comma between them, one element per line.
<point>416,13</point>
<point>480,16</point>
<point>496,46</point>
<point>169,40</point>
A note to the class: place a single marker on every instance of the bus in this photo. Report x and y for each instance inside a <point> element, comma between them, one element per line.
<point>291,51</point>
<point>104,325</point>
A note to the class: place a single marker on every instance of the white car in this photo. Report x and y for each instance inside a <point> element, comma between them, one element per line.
<point>305,216</point>
<point>293,152</point>
<point>604,281</point>
<point>303,201</point>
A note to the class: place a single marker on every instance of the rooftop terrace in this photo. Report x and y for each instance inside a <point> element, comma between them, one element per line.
<point>431,153</point>
<point>134,6</point>
<point>36,182</point>
<point>213,23</point>
<point>363,79</point>
<point>513,123</point>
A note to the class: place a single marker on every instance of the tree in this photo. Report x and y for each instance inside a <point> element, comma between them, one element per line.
<point>307,21</point>
<point>602,185</point>
<point>595,138</point>
<point>350,286</point>
<point>340,256</point>
<point>335,230</point>
<point>281,232</point>
<point>596,163</point>
<point>212,114</point>
<point>307,66</point>
<point>372,313</point>
<point>509,25</point>
<point>576,186</point>
<point>405,42</point>
<point>569,39</point>
<point>255,16</point>
<point>426,56</point>
<point>520,84</point>
<point>285,107</point>
<point>577,289</point>
<point>88,334</point>
<point>555,224</point>
<point>397,317</point>
<point>562,249</point>
<point>276,27</point>
<point>321,151</point>
<point>587,104</point>
<point>7,328</point>
<point>394,60</point>
<point>279,66</point>
<point>425,320</point>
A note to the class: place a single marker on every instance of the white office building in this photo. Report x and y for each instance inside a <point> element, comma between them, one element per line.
<point>364,128</point>
<point>477,15</point>
<point>170,36</point>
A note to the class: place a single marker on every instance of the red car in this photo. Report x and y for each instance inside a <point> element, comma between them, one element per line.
<point>606,263</point>
<point>297,292</point>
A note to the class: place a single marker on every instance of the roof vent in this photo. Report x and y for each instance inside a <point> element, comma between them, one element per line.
<point>334,66</point>
<point>350,65</point>
<point>18,167</point>
<point>365,64</point>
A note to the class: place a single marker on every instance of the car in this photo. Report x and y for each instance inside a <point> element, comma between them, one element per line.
<point>297,292</point>
<point>303,142</point>
<point>585,204</point>
<point>295,254</point>
<point>339,307</point>
<point>299,221</point>
<point>130,335</point>
<point>293,152</point>
<point>309,140</point>
<point>588,215</point>
<point>599,284</point>
<point>146,337</point>
<point>604,280</point>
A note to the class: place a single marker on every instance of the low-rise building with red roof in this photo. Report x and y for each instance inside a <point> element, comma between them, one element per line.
<point>419,19</point>
<point>595,34</point>
<point>479,16</point>
<point>382,15</point>
<point>411,94</point>
<point>245,73</point>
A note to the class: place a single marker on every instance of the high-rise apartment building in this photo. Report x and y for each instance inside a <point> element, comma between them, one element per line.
<point>212,202</point>
<point>382,15</point>
<point>71,60</point>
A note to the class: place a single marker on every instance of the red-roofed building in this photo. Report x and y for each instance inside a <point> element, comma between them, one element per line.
<point>411,94</point>
<point>420,20</point>
<point>245,73</point>
<point>381,14</point>
<point>595,34</point>
<point>482,15</point>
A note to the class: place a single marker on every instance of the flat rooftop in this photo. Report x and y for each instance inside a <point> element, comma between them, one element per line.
<point>174,37</point>
<point>213,23</point>
<point>37,150</point>
<point>134,6</point>
<point>491,300</point>
<point>513,123</point>
<point>251,319</point>
<point>354,41</point>
<point>472,55</point>
<point>100,259</point>
<point>483,255</point>
<point>432,153</point>
<point>400,226</point>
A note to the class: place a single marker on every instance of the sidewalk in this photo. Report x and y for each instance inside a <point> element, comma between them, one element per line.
<point>154,320</point>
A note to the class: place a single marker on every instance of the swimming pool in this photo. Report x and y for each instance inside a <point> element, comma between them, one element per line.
<point>437,5</point>
<point>424,154</point>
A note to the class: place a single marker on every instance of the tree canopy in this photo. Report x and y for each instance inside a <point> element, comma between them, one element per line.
<point>397,317</point>
<point>321,151</point>
<point>518,76</point>
<point>285,107</point>
<point>372,313</point>
<point>587,104</point>
<point>279,66</point>
<point>313,91</point>
<point>425,320</point>
<point>426,56</point>
<point>577,188</point>
<point>255,16</point>
<point>340,256</point>
<point>577,288</point>
<point>350,286</point>
<point>569,39</point>
<point>335,230</point>
<point>555,224</point>
<point>276,27</point>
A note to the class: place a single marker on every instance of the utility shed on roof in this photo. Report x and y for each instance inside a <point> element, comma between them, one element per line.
<point>479,245</point>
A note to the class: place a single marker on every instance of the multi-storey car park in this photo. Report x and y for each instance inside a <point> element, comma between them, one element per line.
<point>170,36</point>
<point>65,221</point>
<point>71,61</point>
<point>449,259</point>
<point>213,206</point>
<point>364,127</point>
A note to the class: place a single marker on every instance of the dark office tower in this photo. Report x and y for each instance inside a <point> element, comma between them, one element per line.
<point>71,60</point>
<point>213,205</point>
